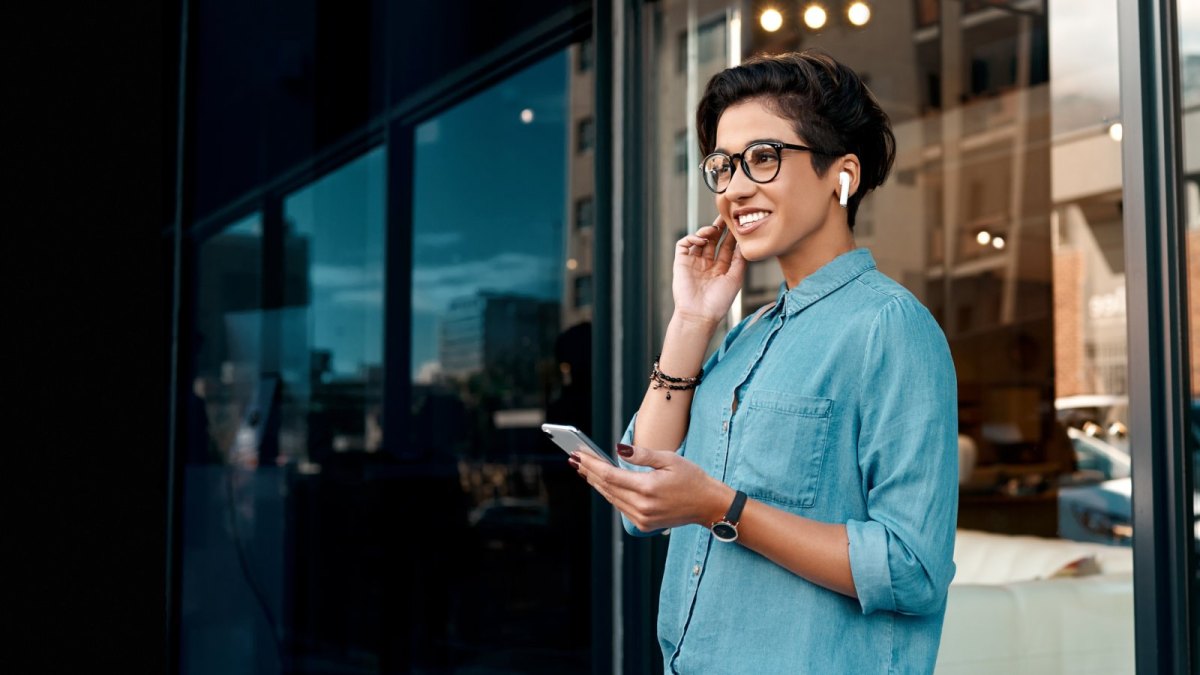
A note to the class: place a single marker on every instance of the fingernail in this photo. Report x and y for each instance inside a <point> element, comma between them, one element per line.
<point>624,450</point>
<point>573,461</point>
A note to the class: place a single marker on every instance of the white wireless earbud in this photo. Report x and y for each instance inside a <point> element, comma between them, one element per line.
<point>844,186</point>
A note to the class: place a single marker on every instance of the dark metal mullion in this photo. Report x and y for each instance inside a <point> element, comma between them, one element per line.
<point>1157,334</point>
<point>397,297</point>
<point>603,266</point>
<point>639,574</point>
<point>173,559</point>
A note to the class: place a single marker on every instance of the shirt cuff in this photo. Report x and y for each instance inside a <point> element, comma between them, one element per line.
<point>627,439</point>
<point>869,565</point>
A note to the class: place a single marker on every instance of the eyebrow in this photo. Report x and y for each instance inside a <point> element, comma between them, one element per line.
<point>754,142</point>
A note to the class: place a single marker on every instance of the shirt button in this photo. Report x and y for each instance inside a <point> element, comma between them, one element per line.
<point>696,571</point>
<point>725,425</point>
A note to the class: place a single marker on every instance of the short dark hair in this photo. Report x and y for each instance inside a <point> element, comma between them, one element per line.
<point>830,107</point>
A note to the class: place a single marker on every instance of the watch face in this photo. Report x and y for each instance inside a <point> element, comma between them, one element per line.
<point>724,531</point>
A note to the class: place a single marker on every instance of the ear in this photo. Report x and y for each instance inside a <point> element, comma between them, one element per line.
<point>848,166</point>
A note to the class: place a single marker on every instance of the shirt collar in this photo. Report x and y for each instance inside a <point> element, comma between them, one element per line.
<point>830,277</point>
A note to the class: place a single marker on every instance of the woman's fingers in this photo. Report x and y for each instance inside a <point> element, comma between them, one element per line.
<point>610,480</point>
<point>724,253</point>
<point>695,243</point>
<point>737,263</point>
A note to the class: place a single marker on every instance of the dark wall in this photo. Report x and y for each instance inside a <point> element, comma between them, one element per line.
<point>86,161</point>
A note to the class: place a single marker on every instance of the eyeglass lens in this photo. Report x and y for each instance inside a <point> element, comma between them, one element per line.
<point>760,162</point>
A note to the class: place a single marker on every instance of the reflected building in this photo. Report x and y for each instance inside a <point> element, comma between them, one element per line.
<point>1015,250</point>
<point>577,289</point>
<point>491,333</point>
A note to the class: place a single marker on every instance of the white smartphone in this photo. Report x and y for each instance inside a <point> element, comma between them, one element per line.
<point>573,440</point>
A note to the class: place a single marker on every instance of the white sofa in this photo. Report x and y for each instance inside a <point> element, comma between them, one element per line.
<point>1037,606</point>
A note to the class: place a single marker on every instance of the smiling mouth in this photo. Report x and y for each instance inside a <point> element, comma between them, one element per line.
<point>748,222</point>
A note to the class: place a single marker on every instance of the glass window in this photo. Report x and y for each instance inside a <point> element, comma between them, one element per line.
<point>225,343</point>
<point>286,391</point>
<point>584,213</point>
<point>501,344</point>
<point>1003,216</point>
<point>585,55</point>
<point>585,135</point>
<point>681,152</point>
<point>1189,66</point>
<point>710,42</point>
<point>334,231</point>
<point>229,575</point>
<point>583,291</point>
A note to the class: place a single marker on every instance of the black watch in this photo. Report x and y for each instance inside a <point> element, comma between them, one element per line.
<point>725,529</point>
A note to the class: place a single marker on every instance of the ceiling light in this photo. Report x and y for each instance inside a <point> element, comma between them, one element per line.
<point>814,16</point>
<point>859,13</point>
<point>984,237</point>
<point>771,20</point>
<point>998,242</point>
<point>1116,131</point>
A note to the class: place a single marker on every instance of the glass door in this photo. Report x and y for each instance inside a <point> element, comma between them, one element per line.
<point>1189,71</point>
<point>501,332</point>
<point>1003,216</point>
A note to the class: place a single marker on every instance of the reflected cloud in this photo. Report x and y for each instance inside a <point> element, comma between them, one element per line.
<point>435,287</point>
<point>429,132</point>
<point>438,239</point>
<point>327,277</point>
<point>1084,65</point>
<point>367,297</point>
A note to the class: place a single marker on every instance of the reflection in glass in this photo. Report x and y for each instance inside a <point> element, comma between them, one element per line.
<point>332,351</point>
<point>500,344</point>
<point>226,361</point>
<point>1003,216</point>
<point>1189,70</point>
<point>287,358</point>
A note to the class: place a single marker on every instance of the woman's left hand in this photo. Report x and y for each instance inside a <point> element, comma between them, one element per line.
<point>676,492</point>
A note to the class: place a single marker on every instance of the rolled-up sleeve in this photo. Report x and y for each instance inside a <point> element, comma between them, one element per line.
<point>901,555</point>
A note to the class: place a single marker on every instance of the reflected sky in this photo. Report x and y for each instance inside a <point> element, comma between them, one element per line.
<point>489,198</point>
<point>1084,64</point>
<point>342,218</point>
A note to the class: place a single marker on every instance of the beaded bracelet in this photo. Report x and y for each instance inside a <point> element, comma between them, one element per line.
<point>664,381</point>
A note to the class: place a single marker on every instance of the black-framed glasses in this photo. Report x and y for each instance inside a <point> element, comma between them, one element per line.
<point>760,162</point>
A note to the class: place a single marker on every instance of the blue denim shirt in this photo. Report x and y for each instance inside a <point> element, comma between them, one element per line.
<point>846,413</point>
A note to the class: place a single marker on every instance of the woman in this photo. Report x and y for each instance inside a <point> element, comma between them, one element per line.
<point>807,471</point>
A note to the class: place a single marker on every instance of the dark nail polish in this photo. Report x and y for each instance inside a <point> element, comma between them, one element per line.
<point>624,450</point>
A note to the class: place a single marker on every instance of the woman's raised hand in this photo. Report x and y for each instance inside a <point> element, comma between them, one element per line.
<point>706,279</point>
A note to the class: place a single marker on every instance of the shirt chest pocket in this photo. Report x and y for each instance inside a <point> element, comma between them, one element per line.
<point>781,441</point>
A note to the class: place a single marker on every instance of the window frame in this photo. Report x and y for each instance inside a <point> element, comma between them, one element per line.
<point>1158,360</point>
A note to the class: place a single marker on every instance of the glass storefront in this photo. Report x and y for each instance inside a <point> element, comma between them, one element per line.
<point>338,517</point>
<point>457,539</point>
<point>1189,73</point>
<point>285,393</point>
<point>1003,216</point>
<point>501,342</point>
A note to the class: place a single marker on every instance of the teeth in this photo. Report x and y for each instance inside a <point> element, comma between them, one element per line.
<point>751,217</point>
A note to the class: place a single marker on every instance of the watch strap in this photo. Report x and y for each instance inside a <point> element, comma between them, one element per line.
<point>734,514</point>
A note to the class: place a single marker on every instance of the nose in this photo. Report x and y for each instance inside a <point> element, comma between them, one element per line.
<point>740,186</point>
